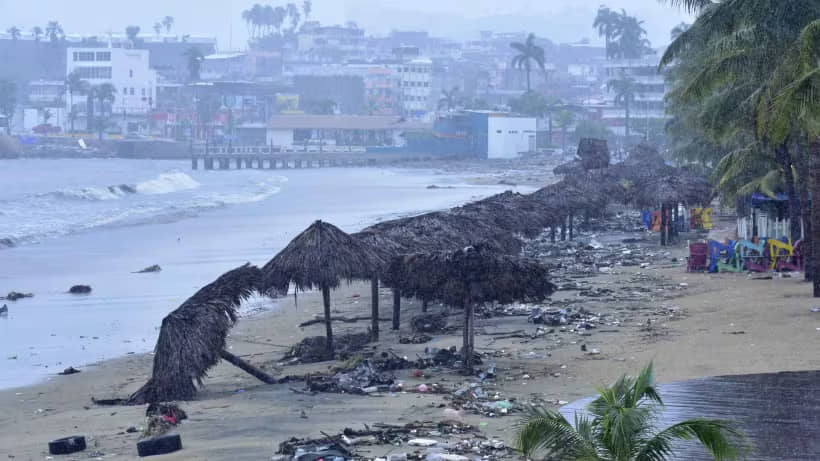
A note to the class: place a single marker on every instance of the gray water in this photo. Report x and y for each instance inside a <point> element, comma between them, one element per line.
<point>96,221</point>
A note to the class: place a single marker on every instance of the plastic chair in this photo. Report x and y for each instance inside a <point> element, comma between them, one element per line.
<point>730,263</point>
<point>716,252</point>
<point>706,218</point>
<point>698,260</point>
<point>754,257</point>
<point>780,252</point>
<point>794,262</point>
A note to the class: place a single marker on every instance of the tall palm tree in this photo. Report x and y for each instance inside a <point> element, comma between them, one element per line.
<point>158,28</point>
<point>75,85</point>
<point>608,24</point>
<point>14,31</point>
<point>132,32</point>
<point>625,89</point>
<point>307,7</point>
<point>104,95</point>
<point>564,119</point>
<point>619,427</point>
<point>293,15</point>
<point>54,31</point>
<point>168,22</point>
<point>8,101</point>
<point>631,42</point>
<point>194,58</point>
<point>449,99</point>
<point>280,13</point>
<point>527,53</point>
<point>37,32</point>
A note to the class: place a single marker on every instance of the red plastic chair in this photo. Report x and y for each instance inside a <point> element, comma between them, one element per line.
<point>698,260</point>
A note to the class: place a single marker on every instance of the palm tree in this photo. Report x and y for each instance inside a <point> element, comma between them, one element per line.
<point>168,22</point>
<point>564,119</point>
<point>54,31</point>
<point>8,101</point>
<point>194,59</point>
<point>14,31</point>
<point>75,85</point>
<point>608,24</point>
<point>625,89</point>
<point>280,13</point>
<point>132,32</point>
<point>449,99</point>
<point>104,94</point>
<point>632,42</point>
<point>158,28</point>
<point>528,51</point>
<point>37,32</point>
<point>293,15</point>
<point>619,427</point>
<point>307,7</point>
<point>47,115</point>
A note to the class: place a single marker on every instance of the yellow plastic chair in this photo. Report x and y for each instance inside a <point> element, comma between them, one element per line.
<point>779,250</point>
<point>706,218</point>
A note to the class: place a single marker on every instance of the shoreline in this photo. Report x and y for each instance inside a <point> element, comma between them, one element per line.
<point>695,332</point>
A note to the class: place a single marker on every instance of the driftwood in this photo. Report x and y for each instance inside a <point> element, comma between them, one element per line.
<point>340,319</point>
<point>248,368</point>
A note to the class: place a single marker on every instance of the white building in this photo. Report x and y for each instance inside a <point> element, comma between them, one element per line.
<point>650,90</point>
<point>508,137</point>
<point>128,71</point>
<point>415,81</point>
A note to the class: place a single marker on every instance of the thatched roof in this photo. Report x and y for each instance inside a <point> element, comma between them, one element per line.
<point>594,153</point>
<point>321,256</point>
<point>476,273</point>
<point>193,336</point>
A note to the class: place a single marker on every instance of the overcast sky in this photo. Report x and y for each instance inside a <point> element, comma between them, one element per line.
<point>559,20</point>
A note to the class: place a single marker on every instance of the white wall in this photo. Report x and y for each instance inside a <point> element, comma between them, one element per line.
<point>280,138</point>
<point>509,136</point>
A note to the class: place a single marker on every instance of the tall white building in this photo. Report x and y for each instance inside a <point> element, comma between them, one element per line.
<point>415,81</point>
<point>128,71</point>
<point>650,89</point>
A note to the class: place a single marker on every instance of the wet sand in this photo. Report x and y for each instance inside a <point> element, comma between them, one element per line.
<point>716,324</point>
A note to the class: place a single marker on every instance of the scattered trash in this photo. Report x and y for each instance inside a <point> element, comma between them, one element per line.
<point>159,445</point>
<point>14,296</point>
<point>314,348</point>
<point>80,289</point>
<point>4,310</point>
<point>415,339</point>
<point>154,268</point>
<point>815,309</point>
<point>429,323</point>
<point>161,418</point>
<point>422,442</point>
<point>67,445</point>
<point>69,371</point>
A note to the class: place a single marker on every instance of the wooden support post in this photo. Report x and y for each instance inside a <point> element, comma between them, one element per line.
<point>570,227</point>
<point>424,305</point>
<point>552,233</point>
<point>663,224</point>
<point>374,309</point>
<point>328,327</point>
<point>396,308</point>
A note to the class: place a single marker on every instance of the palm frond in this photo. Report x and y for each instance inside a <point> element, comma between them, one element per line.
<point>546,430</point>
<point>723,440</point>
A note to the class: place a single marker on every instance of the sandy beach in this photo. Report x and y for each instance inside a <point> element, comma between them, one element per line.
<point>690,325</point>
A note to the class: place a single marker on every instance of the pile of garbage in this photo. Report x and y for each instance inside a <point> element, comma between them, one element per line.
<point>429,323</point>
<point>314,348</point>
<point>363,379</point>
<point>443,441</point>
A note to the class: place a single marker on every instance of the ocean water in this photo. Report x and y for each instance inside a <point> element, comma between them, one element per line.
<point>95,222</point>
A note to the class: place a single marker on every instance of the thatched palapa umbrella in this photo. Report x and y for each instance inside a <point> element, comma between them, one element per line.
<point>321,257</point>
<point>468,277</point>
<point>192,338</point>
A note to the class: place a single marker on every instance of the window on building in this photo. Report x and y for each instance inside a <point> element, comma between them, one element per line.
<point>84,56</point>
<point>103,56</point>
<point>131,73</point>
<point>132,91</point>
<point>94,72</point>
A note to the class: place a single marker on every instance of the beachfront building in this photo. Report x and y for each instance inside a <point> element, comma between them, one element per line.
<point>648,109</point>
<point>345,133</point>
<point>481,134</point>
<point>128,70</point>
<point>263,66</point>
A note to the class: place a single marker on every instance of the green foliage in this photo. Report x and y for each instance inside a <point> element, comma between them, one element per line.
<point>528,52</point>
<point>449,99</point>
<point>625,36</point>
<point>8,100</point>
<point>620,427</point>
<point>591,129</point>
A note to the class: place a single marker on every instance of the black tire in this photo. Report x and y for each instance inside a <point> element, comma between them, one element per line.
<point>67,445</point>
<point>159,445</point>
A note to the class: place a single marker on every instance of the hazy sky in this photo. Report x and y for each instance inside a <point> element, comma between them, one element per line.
<point>559,20</point>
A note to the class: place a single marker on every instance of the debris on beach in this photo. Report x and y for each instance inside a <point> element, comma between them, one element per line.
<point>14,296</point>
<point>415,339</point>
<point>363,379</point>
<point>80,289</point>
<point>429,322</point>
<point>69,371</point>
<point>161,418</point>
<point>149,269</point>
<point>314,348</point>
<point>442,441</point>
<point>4,310</point>
<point>67,445</point>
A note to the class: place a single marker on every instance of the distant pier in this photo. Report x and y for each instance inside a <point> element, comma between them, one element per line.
<point>236,158</point>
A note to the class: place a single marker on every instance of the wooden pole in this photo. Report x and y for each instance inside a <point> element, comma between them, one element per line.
<point>374,309</point>
<point>396,308</point>
<point>663,224</point>
<point>570,227</point>
<point>552,233</point>
<point>328,327</point>
<point>424,305</point>
<point>469,335</point>
<point>563,229</point>
<point>248,368</point>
